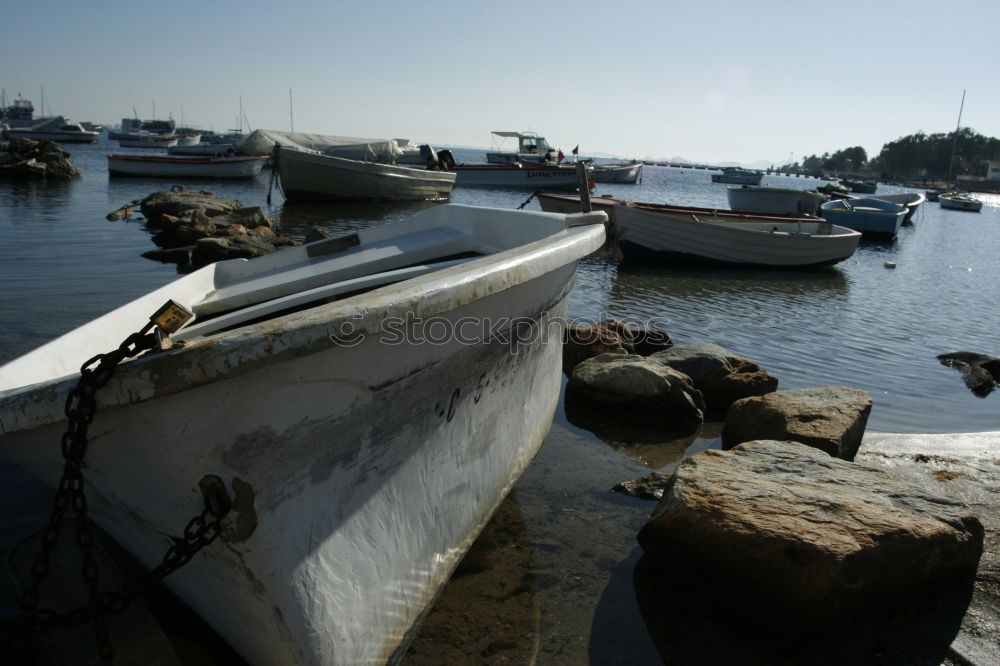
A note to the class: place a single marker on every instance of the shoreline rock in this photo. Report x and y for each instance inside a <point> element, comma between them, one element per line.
<point>26,159</point>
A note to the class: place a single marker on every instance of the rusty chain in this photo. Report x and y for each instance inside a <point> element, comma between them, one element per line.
<point>202,530</point>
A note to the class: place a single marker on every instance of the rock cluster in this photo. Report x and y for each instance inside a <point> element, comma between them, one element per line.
<point>26,159</point>
<point>195,228</point>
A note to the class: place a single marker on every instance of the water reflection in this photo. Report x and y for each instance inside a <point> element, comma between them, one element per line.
<point>342,217</point>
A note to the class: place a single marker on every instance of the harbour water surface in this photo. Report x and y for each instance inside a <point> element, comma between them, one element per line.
<point>552,580</point>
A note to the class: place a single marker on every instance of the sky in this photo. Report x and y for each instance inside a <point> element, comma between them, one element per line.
<point>718,82</point>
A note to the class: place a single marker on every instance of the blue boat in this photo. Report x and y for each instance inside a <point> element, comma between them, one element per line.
<point>872,217</point>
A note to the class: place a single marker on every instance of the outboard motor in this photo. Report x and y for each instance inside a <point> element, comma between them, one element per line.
<point>429,157</point>
<point>446,159</point>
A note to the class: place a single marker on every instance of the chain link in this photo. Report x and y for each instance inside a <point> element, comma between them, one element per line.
<point>202,530</point>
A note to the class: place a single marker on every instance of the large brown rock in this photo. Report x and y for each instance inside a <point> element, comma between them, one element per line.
<point>174,202</point>
<point>829,418</point>
<point>721,376</point>
<point>811,533</point>
<point>636,388</point>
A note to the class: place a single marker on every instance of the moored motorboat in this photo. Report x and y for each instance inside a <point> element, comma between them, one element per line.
<point>870,216</point>
<point>56,129</point>
<point>675,234</point>
<point>516,175</point>
<point>362,451</point>
<point>530,148</point>
<point>959,201</point>
<point>307,174</point>
<point>738,176</point>
<point>231,166</point>
<point>775,200</point>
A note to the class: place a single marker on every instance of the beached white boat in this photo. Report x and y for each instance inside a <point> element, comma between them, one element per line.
<point>738,176</point>
<point>873,217</point>
<point>674,233</point>
<point>776,200</point>
<point>368,400</point>
<point>530,148</point>
<point>959,201</point>
<point>233,166</point>
<point>516,175</point>
<point>56,129</point>
<point>313,175</point>
<point>625,172</point>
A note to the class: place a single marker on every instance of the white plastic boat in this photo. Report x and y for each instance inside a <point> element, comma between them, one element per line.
<point>54,129</point>
<point>368,400</point>
<point>235,166</point>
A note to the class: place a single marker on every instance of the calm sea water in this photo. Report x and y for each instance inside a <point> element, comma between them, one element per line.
<point>562,534</point>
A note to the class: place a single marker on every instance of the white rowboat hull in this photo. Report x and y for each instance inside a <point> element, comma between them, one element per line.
<point>774,200</point>
<point>643,232</point>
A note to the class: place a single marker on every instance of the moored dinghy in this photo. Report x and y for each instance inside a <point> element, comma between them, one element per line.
<point>873,217</point>
<point>775,200</point>
<point>672,233</point>
<point>960,201</point>
<point>364,451</point>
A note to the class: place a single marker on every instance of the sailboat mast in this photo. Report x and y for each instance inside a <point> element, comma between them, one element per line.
<point>954,142</point>
<point>291,115</point>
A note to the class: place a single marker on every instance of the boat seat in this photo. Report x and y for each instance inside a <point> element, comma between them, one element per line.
<point>411,249</point>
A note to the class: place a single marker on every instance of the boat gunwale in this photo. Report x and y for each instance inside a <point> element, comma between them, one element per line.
<point>244,349</point>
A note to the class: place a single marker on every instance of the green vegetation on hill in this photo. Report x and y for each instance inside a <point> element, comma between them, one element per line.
<point>915,156</point>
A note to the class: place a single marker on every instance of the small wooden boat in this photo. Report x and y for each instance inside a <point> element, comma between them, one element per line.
<point>306,174</point>
<point>738,176</point>
<point>957,201</point>
<point>673,233</point>
<point>153,166</point>
<point>365,401</point>
<point>625,172</point>
<point>775,200</point>
<point>872,217</point>
<point>537,176</point>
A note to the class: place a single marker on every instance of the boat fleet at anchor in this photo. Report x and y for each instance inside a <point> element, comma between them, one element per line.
<point>365,471</point>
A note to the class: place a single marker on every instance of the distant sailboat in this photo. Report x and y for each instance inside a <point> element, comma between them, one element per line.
<point>954,143</point>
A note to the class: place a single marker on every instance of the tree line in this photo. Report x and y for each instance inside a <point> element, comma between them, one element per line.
<point>937,156</point>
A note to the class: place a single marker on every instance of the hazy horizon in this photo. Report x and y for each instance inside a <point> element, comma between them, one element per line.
<point>725,82</point>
